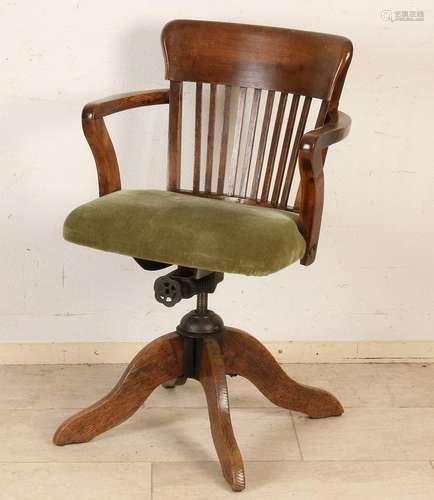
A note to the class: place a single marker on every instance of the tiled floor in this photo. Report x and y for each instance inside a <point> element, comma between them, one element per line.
<point>381,448</point>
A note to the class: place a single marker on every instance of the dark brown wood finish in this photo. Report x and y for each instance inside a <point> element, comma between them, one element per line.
<point>258,60</point>
<point>97,136</point>
<point>246,356</point>
<point>159,362</point>
<point>237,141</point>
<point>213,379</point>
<point>292,61</point>
<point>232,352</point>
<point>197,138</point>
<point>285,150</point>
<point>211,129</point>
<point>273,147</point>
<point>262,145</point>
<point>306,64</point>
<point>224,143</point>
<point>293,160</point>
<point>175,126</point>
<point>312,155</point>
<point>250,142</point>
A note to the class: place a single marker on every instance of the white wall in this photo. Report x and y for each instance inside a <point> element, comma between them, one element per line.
<point>374,275</point>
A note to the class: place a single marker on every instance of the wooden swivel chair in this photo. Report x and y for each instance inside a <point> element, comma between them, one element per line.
<point>236,216</point>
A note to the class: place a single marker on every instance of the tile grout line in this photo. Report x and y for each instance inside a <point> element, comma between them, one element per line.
<point>152,480</point>
<point>310,461</point>
<point>269,408</point>
<point>256,461</point>
<point>388,388</point>
<point>296,436</point>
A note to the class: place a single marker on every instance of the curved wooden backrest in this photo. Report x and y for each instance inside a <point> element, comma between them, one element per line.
<point>267,64</point>
<point>292,61</point>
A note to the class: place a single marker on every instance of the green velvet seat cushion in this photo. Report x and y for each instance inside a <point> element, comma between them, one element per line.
<point>187,230</point>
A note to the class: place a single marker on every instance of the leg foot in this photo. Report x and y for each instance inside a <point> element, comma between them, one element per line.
<point>159,362</point>
<point>213,379</point>
<point>170,384</point>
<point>174,382</point>
<point>247,357</point>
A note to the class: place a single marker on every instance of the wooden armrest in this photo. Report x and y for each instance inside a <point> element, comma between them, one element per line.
<point>99,139</point>
<point>334,130</point>
<point>122,102</point>
<point>313,148</point>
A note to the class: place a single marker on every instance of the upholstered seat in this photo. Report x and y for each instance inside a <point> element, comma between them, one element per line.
<point>189,231</point>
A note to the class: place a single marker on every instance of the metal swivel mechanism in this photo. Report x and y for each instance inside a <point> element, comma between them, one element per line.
<point>184,283</point>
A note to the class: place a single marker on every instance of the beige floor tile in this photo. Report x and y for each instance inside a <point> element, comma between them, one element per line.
<point>354,385</point>
<point>55,386</point>
<point>298,480</point>
<point>369,434</point>
<point>78,386</point>
<point>75,481</point>
<point>242,394</point>
<point>410,384</point>
<point>150,435</point>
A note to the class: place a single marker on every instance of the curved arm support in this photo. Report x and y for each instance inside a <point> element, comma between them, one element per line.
<point>313,148</point>
<point>335,129</point>
<point>97,135</point>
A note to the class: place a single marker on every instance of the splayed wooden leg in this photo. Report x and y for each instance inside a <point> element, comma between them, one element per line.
<point>247,357</point>
<point>159,362</point>
<point>212,376</point>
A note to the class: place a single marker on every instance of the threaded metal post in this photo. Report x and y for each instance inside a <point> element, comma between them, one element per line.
<point>202,303</point>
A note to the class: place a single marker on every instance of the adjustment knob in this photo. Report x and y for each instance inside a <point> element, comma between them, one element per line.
<point>167,291</point>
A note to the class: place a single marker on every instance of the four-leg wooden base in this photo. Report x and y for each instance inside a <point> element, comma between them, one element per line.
<point>162,363</point>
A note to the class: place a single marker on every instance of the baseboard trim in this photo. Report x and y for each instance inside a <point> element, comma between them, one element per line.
<point>285,352</point>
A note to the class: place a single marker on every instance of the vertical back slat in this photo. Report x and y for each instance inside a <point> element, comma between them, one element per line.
<point>294,152</point>
<point>285,149</point>
<point>262,144</point>
<point>224,141</point>
<point>197,138</point>
<point>237,140</point>
<point>273,146</point>
<point>174,150</point>
<point>248,152</point>
<point>210,138</point>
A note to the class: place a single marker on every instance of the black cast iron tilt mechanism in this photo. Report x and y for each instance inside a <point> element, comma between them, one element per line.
<point>184,283</point>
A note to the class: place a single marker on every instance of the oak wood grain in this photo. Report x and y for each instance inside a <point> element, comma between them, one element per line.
<point>262,144</point>
<point>159,362</point>
<point>210,138</point>
<point>273,146</point>
<point>294,153</point>
<point>285,149</point>
<point>313,65</point>
<point>246,356</point>
<point>213,379</point>
<point>197,138</point>
<point>98,138</point>
<point>224,141</point>
<point>311,160</point>
<point>255,56</point>
<point>305,64</point>
<point>248,152</point>
<point>175,130</point>
<point>236,148</point>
